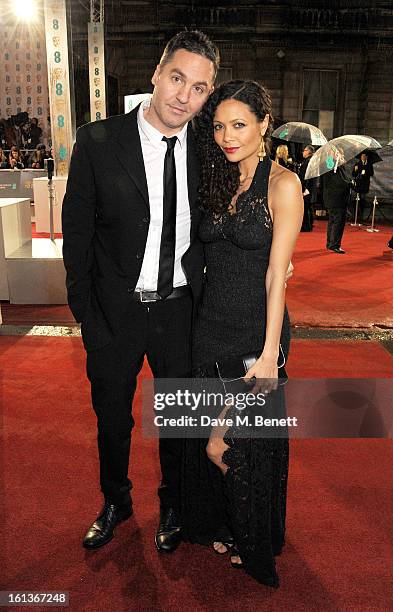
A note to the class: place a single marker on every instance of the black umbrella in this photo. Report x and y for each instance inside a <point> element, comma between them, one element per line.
<point>372,156</point>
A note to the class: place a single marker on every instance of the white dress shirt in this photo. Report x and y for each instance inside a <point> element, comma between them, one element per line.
<point>154,150</point>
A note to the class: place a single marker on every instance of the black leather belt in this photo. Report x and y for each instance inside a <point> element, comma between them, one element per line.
<point>153,296</point>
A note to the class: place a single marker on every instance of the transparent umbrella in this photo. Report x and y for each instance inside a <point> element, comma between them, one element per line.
<point>338,152</point>
<point>297,131</point>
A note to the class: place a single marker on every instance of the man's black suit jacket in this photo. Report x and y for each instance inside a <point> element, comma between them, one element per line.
<point>336,188</point>
<point>105,220</point>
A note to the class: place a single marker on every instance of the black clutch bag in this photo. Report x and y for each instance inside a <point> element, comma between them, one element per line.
<point>234,369</point>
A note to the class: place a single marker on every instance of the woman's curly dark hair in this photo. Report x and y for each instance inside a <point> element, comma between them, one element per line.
<point>219,178</point>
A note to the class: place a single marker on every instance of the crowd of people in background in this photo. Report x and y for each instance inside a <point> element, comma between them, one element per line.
<point>21,143</point>
<point>17,159</point>
<point>21,131</point>
<point>21,147</point>
<point>332,191</point>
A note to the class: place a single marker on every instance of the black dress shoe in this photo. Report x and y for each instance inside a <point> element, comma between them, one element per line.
<point>338,250</point>
<point>168,536</point>
<point>101,531</point>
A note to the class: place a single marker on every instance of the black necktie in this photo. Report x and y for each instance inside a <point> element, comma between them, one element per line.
<point>168,234</point>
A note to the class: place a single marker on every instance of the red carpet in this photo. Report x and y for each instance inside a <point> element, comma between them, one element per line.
<point>36,234</point>
<point>351,290</point>
<point>32,314</point>
<point>338,554</point>
<point>327,290</point>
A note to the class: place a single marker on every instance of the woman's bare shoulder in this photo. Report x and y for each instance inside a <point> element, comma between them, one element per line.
<point>283,179</point>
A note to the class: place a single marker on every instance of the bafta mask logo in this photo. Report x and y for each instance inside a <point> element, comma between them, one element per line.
<point>57,74</point>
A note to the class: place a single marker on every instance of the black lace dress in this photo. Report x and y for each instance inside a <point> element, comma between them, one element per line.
<point>250,500</point>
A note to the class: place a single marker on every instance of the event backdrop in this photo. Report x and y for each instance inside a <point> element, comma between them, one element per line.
<point>97,70</point>
<point>23,71</point>
<point>59,79</point>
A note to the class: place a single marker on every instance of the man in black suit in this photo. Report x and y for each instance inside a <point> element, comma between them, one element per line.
<point>308,189</point>
<point>362,173</point>
<point>135,266</point>
<point>336,187</point>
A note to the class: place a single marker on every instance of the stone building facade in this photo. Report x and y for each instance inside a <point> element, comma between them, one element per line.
<point>329,63</point>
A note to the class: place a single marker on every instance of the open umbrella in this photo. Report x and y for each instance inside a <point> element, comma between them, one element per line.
<point>372,156</point>
<point>297,131</point>
<point>382,182</point>
<point>338,152</point>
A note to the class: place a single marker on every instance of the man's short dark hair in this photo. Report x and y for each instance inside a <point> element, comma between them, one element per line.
<point>309,148</point>
<point>193,41</point>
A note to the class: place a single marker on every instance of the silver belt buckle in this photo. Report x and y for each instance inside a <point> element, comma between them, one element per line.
<point>144,301</point>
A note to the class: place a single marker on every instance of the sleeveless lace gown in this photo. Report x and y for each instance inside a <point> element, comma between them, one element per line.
<point>250,500</point>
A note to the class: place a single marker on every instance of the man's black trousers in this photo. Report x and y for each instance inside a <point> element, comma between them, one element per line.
<point>335,228</point>
<point>162,331</point>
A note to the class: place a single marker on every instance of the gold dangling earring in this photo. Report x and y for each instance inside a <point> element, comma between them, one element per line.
<point>261,152</point>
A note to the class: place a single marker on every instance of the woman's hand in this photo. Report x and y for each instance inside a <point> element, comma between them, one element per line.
<point>265,371</point>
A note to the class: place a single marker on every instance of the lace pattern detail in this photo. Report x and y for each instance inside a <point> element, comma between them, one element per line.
<point>250,500</point>
<point>249,223</point>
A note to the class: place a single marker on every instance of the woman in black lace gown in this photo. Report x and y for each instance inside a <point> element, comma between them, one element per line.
<point>234,486</point>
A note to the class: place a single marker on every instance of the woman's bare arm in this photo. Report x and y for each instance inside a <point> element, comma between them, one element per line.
<point>286,204</point>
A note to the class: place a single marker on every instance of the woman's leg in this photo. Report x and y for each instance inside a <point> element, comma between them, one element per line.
<point>215,450</point>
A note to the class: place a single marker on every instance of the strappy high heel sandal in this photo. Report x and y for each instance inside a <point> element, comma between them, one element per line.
<point>228,546</point>
<point>224,538</point>
<point>235,553</point>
